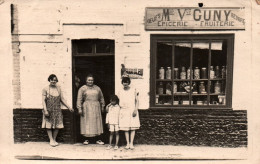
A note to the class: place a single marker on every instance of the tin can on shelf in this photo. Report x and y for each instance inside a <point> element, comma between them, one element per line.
<point>212,72</point>
<point>183,73</point>
<point>217,72</point>
<point>196,73</point>
<point>176,73</point>
<point>204,73</point>
<point>161,73</point>
<point>168,73</point>
<point>189,73</point>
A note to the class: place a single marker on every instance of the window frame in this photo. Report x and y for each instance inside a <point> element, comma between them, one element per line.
<point>190,37</point>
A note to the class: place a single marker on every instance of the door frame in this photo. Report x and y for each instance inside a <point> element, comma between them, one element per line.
<point>74,55</point>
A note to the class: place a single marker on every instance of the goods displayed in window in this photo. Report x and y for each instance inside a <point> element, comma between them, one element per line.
<point>191,73</point>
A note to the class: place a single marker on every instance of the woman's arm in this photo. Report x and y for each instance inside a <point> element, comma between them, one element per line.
<point>63,101</point>
<point>80,100</point>
<point>44,95</point>
<point>136,103</point>
<point>101,99</point>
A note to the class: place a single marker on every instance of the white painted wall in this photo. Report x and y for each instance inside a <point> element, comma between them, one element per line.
<point>121,18</point>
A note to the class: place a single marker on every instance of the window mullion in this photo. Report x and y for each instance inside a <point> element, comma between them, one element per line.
<point>209,82</point>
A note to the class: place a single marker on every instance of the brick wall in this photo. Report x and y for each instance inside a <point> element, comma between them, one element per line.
<point>225,128</point>
<point>28,122</point>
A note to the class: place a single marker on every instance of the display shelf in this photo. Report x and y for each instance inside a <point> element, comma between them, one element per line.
<point>217,79</point>
<point>199,94</point>
<point>163,95</point>
<point>217,94</point>
<point>180,94</point>
<point>161,80</point>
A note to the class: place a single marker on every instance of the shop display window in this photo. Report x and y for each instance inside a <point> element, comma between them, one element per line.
<point>191,71</point>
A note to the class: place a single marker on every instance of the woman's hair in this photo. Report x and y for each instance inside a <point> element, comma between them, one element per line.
<point>51,77</point>
<point>89,75</point>
<point>126,80</point>
<point>114,98</point>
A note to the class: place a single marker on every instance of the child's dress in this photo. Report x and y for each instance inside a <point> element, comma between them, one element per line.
<point>112,117</point>
<point>127,101</point>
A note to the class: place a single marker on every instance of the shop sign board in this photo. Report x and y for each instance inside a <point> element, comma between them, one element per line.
<point>181,18</point>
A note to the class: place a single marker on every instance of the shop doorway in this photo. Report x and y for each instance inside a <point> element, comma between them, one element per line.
<point>96,57</point>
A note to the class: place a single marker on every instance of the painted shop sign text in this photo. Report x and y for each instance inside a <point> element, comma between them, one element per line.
<point>195,18</point>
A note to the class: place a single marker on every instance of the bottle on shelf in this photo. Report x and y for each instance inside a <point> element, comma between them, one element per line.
<point>202,87</point>
<point>212,72</point>
<point>160,88</point>
<point>161,73</point>
<point>174,87</point>
<point>217,72</point>
<point>168,73</point>
<point>189,73</point>
<point>157,99</point>
<point>223,72</point>
<point>196,73</point>
<point>217,87</point>
<point>183,73</point>
<point>176,73</point>
<point>204,73</point>
<point>168,89</point>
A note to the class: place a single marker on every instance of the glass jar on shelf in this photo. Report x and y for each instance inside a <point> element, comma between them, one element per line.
<point>183,74</point>
<point>217,72</point>
<point>176,73</point>
<point>189,73</point>
<point>202,88</point>
<point>204,73</point>
<point>160,88</point>
<point>212,72</point>
<point>174,87</point>
<point>217,87</point>
<point>161,73</point>
<point>168,73</point>
<point>223,72</point>
<point>196,73</point>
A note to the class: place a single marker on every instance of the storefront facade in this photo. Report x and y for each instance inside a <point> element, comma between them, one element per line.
<point>186,61</point>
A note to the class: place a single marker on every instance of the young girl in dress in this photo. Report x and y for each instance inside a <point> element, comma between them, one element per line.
<point>112,120</point>
<point>129,118</point>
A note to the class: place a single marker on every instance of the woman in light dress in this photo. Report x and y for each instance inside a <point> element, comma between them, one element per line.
<point>129,118</point>
<point>90,104</point>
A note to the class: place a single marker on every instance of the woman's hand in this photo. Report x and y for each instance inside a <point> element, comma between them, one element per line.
<point>134,113</point>
<point>71,109</point>
<point>46,113</point>
<point>81,113</point>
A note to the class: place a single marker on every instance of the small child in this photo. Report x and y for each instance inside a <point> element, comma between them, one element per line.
<point>112,119</point>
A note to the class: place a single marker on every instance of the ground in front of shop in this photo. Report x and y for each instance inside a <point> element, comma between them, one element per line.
<point>42,150</point>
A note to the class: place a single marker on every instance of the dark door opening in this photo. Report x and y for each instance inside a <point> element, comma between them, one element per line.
<point>101,66</point>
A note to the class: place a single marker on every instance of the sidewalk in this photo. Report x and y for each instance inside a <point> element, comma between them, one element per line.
<point>42,150</point>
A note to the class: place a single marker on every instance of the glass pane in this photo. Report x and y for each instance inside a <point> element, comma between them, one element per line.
<point>163,93</point>
<point>218,72</point>
<point>104,46</point>
<point>164,84</point>
<point>181,59</point>
<point>84,46</point>
<point>200,60</point>
<point>164,59</point>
